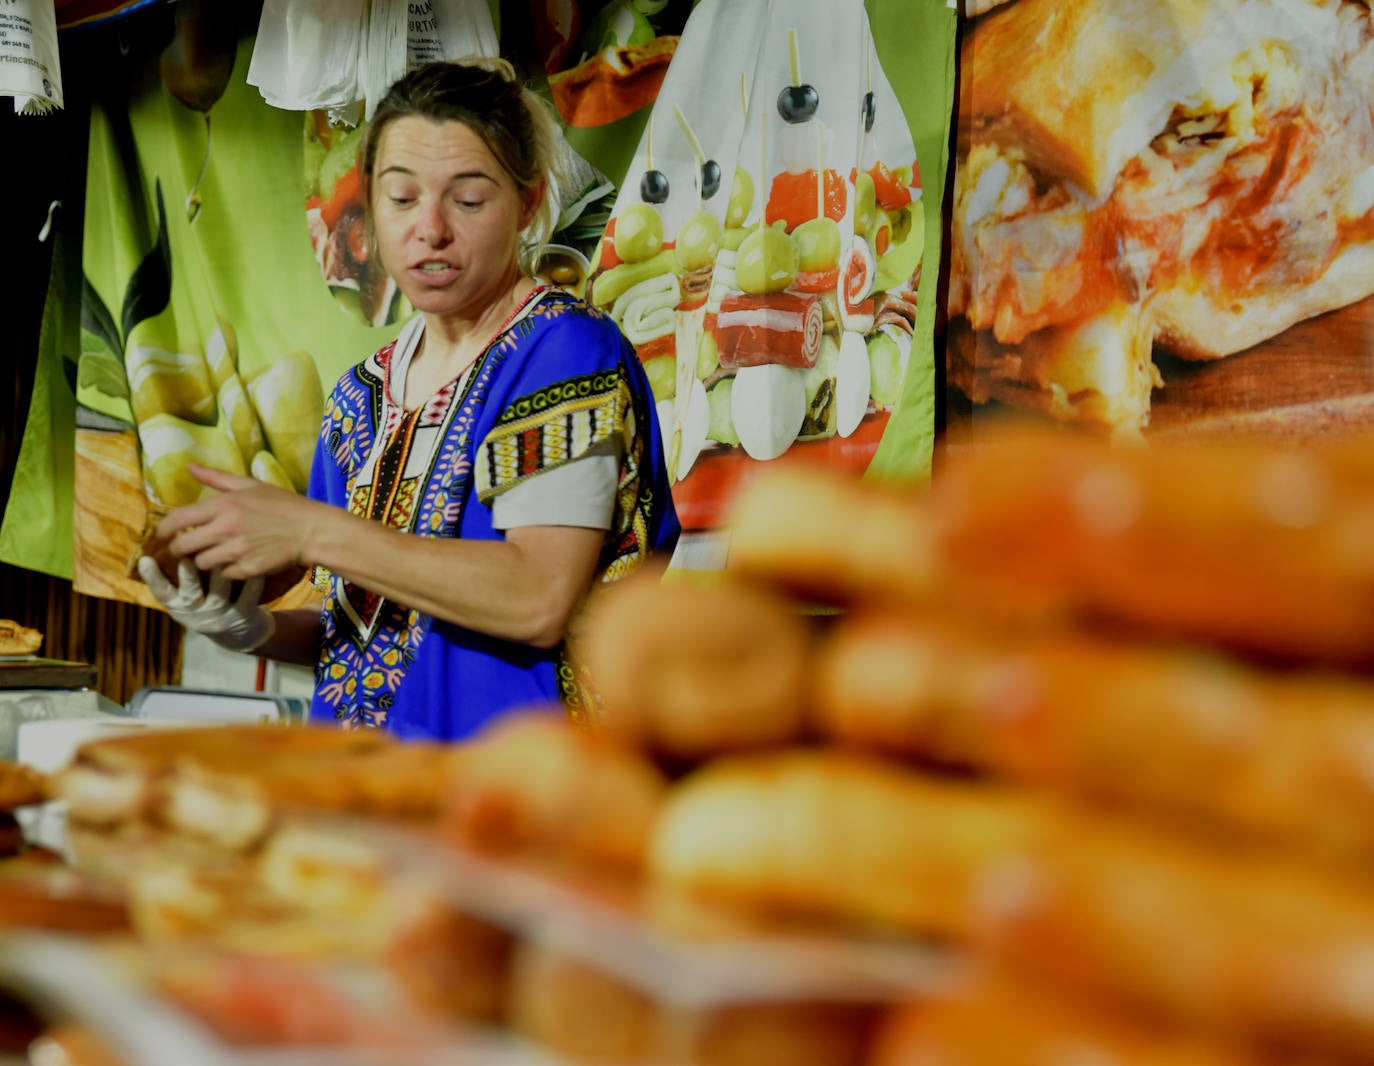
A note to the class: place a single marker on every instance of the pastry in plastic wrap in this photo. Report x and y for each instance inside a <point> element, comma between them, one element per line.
<point>687,669</point>
<point>836,837</point>
<point>1209,741</point>
<point>536,782</point>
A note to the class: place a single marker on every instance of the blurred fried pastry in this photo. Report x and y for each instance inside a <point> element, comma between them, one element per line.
<point>227,784</point>
<point>996,1022</point>
<point>831,538</point>
<point>687,668</point>
<point>836,837</point>
<point>592,1016</point>
<point>577,1010</point>
<point>535,781</point>
<point>44,896</point>
<point>452,964</point>
<point>1246,544</point>
<point>1239,944</point>
<point>1274,758</point>
<point>21,786</point>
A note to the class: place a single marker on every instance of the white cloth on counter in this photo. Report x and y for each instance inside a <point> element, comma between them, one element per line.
<point>29,68</point>
<point>333,55</point>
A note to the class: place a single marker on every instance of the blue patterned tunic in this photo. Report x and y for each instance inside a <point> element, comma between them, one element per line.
<point>557,382</point>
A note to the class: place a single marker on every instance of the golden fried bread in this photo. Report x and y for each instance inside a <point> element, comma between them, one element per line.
<point>1283,756</point>
<point>998,1022</point>
<point>535,781</point>
<point>686,669</point>
<point>836,837</point>
<point>21,786</point>
<point>1244,544</point>
<point>18,640</point>
<point>1237,943</point>
<point>829,538</point>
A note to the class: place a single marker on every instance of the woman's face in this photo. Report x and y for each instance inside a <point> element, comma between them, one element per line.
<point>447,217</point>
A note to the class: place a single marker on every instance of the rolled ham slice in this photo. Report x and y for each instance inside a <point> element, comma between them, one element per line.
<point>781,328</point>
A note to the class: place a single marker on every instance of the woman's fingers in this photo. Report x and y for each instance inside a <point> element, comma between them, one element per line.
<point>220,479</point>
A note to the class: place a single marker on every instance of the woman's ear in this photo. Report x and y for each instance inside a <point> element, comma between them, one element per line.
<point>530,201</point>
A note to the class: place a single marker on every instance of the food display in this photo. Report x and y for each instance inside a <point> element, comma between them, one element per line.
<point>992,802</point>
<point>1121,214</point>
<point>765,252</point>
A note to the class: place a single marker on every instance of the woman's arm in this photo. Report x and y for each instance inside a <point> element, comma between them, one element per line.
<point>296,638</point>
<point>523,589</point>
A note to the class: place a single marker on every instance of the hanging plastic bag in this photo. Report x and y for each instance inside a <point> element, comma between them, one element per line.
<point>306,55</point>
<point>29,69</point>
<point>405,34</point>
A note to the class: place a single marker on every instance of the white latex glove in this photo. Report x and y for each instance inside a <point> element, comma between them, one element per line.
<point>240,625</point>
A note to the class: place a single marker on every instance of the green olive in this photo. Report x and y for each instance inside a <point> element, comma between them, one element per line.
<point>865,203</point>
<point>638,234</point>
<point>767,261</point>
<point>903,175</point>
<point>741,198</point>
<point>662,373</point>
<point>901,224</point>
<point>732,238</point>
<point>818,244</point>
<point>708,356</point>
<point>698,241</point>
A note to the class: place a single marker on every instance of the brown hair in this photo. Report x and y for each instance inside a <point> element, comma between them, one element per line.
<point>484,95</point>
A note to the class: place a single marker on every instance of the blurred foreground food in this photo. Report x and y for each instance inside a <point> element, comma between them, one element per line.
<point>1080,773</point>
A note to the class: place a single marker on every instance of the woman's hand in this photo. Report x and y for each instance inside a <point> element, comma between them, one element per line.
<point>250,529</point>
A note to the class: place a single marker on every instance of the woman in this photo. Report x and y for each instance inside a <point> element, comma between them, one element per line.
<point>473,479</point>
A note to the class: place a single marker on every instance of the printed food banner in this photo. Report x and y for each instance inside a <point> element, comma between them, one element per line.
<point>1163,216</point>
<point>207,333</point>
<point>223,294</point>
<point>766,253</point>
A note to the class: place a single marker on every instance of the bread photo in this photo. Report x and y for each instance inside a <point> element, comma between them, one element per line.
<point>1152,172</point>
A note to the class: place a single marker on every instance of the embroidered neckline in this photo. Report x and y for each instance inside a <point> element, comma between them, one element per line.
<point>456,383</point>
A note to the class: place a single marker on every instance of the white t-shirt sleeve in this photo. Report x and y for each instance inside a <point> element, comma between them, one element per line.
<point>581,492</point>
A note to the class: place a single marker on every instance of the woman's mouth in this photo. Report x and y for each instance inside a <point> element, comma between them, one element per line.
<point>434,271</point>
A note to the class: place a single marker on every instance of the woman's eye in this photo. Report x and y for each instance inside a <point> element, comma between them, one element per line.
<point>401,201</point>
<point>469,205</point>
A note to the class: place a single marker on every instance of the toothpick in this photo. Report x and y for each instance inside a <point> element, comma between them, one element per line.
<point>792,51</point>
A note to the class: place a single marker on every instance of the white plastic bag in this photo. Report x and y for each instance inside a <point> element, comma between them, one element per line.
<point>29,69</point>
<point>307,53</point>
<point>405,34</point>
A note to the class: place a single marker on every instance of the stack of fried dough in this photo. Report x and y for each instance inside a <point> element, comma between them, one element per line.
<point>224,835</point>
<point>1102,720</point>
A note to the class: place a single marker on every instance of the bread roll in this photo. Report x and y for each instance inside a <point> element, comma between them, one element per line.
<point>830,538</point>
<point>1000,1023</point>
<point>535,781</point>
<point>1188,734</point>
<point>1235,943</point>
<point>576,1010</point>
<point>591,1016</point>
<point>688,669</point>
<point>1244,544</point>
<point>451,963</point>
<point>839,838</point>
<point>21,786</point>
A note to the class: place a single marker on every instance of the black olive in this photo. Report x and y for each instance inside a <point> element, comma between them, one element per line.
<point>868,110</point>
<point>710,179</point>
<point>797,103</point>
<point>653,187</point>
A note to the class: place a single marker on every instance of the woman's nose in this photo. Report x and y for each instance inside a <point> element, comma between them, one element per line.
<point>433,225</point>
